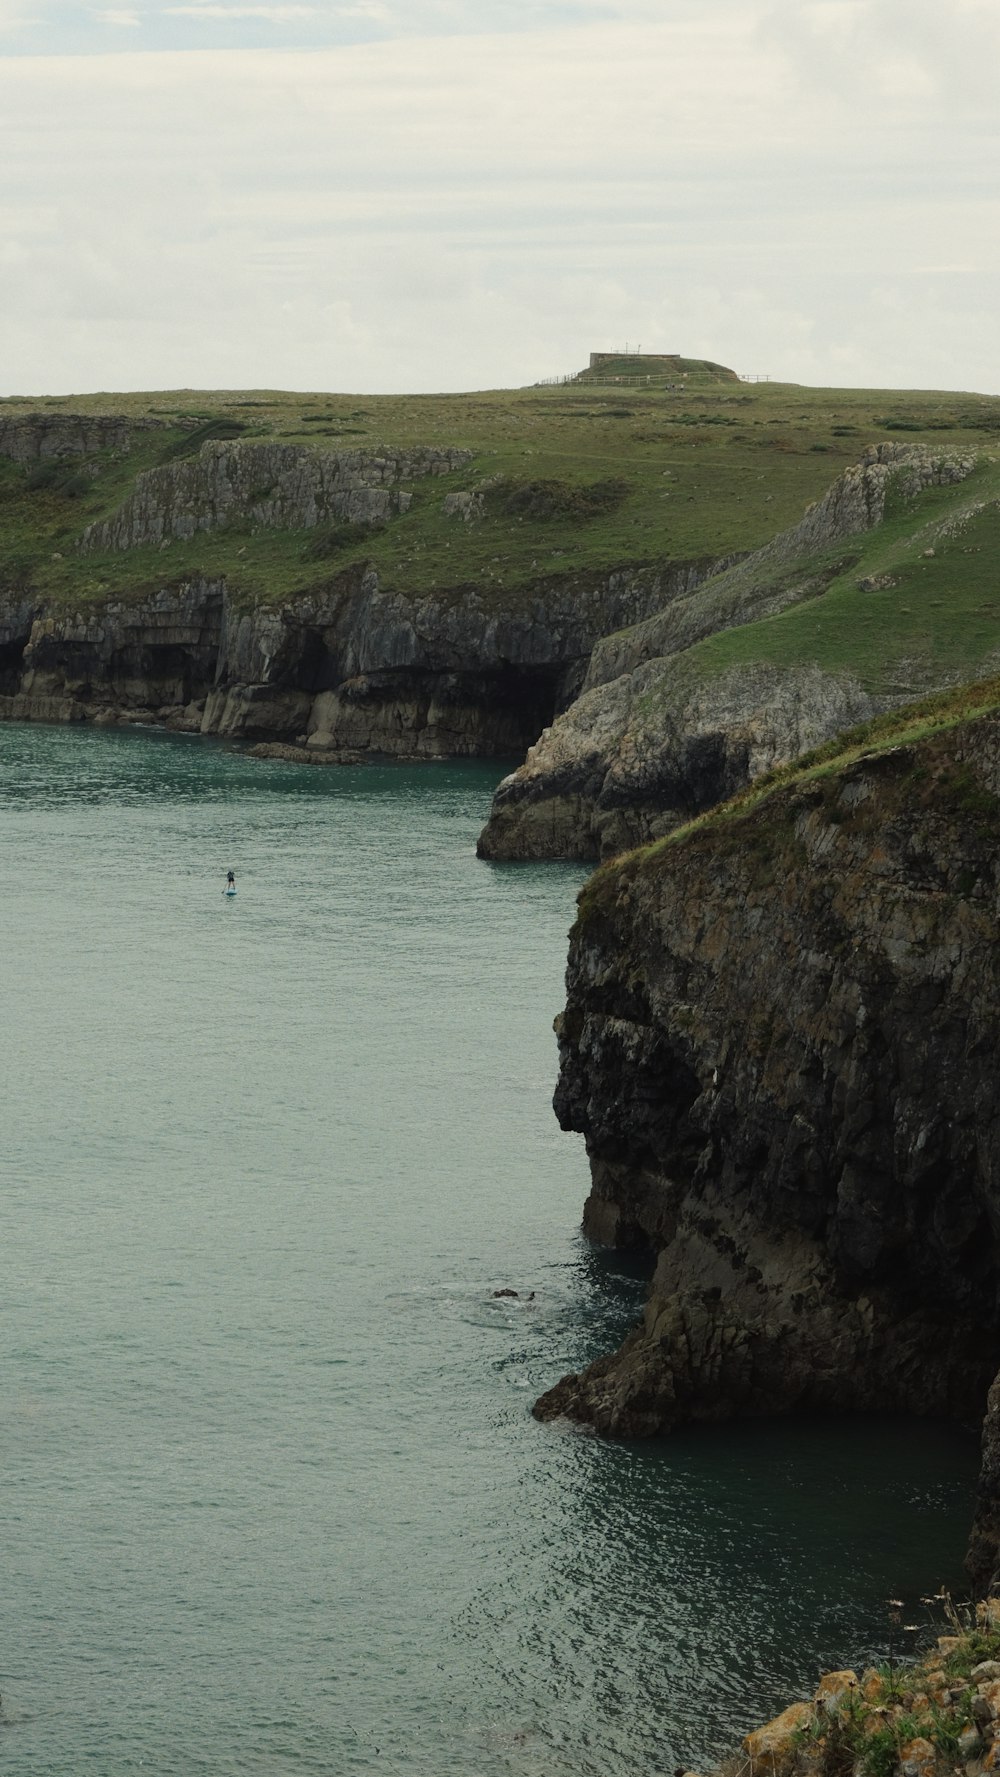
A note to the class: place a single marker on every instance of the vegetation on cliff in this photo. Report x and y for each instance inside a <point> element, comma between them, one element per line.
<point>396,550</point>
<point>886,588</point>
<point>779,1042</point>
<point>934,1716</point>
<point>708,468</point>
<point>936,779</point>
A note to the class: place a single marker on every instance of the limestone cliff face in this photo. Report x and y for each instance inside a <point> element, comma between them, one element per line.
<point>614,772</point>
<point>352,665</point>
<point>780,1042</point>
<point>649,743</point>
<point>159,652</point>
<point>349,664</point>
<point>381,668</point>
<point>30,438</point>
<point>288,486</point>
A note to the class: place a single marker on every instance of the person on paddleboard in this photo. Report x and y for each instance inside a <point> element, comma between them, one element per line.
<point>230,888</point>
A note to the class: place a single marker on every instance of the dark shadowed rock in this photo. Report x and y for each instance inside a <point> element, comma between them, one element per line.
<point>780,1043</point>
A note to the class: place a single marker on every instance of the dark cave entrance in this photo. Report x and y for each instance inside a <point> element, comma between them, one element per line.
<point>12,664</point>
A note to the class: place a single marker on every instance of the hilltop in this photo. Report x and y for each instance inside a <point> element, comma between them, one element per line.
<point>715,469</point>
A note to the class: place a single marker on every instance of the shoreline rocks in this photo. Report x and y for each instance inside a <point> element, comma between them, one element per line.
<point>933,1717</point>
<point>355,665</point>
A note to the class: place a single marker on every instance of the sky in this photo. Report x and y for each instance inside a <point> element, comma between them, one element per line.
<point>420,195</point>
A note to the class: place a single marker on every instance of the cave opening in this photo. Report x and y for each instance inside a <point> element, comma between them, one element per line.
<point>496,712</point>
<point>12,664</point>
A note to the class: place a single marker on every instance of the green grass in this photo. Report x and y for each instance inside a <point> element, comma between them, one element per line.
<point>936,779</point>
<point>935,616</point>
<point>713,470</point>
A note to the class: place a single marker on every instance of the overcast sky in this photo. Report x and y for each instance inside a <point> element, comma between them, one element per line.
<point>380,195</point>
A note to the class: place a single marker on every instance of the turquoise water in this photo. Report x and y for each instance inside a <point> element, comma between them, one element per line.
<point>272,1497</point>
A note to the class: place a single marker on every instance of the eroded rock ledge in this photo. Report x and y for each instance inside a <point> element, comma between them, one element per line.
<point>780,1042</point>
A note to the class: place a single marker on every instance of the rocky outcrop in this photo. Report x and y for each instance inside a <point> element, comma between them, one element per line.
<point>287,486</point>
<point>937,1716</point>
<point>780,1042</point>
<point>651,742</point>
<point>614,772</point>
<point>33,437</point>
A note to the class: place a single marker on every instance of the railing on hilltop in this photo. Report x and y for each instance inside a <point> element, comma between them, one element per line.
<point>590,379</point>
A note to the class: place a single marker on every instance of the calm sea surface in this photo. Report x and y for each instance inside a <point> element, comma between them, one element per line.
<point>273,1501</point>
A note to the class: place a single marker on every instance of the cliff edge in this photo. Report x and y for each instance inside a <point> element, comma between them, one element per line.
<point>780,1043</point>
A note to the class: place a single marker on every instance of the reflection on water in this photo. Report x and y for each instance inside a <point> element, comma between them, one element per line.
<point>275,1501</point>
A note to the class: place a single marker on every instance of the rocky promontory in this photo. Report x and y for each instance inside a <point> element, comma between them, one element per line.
<point>780,1043</point>
<point>658,733</point>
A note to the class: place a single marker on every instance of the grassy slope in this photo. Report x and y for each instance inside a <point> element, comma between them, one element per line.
<point>933,614</point>
<point>716,468</point>
<point>928,720</point>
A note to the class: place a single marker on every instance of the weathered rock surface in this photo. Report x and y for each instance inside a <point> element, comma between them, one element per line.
<point>983,1559</point>
<point>780,1042</point>
<point>352,666</point>
<point>29,438</point>
<point>289,486</point>
<point>649,743</point>
<point>934,1717</point>
<point>159,651</point>
<point>616,771</point>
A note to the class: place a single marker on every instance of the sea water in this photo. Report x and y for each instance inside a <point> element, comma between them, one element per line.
<point>273,1501</point>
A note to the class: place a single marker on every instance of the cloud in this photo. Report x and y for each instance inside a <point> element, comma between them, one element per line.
<point>276,14</point>
<point>126,20</point>
<point>18,18</point>
<point>844,46</point>
<point>450,212</point>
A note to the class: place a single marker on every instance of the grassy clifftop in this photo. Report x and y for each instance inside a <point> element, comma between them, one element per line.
<point>917,600</point>
<point>928,722</point>
<point>706,469</point>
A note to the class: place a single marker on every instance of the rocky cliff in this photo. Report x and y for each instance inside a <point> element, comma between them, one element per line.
<point>286,486</point>
<point>354,598</point>
<point>352,664</point>
<point>349,660</point>
<point>780,1043</point>
<point>34,437</point>
<point>654,738</point>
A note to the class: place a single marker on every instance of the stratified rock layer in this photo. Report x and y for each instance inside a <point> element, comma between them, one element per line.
<point>352,665</point>
<point>780,1042</point>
